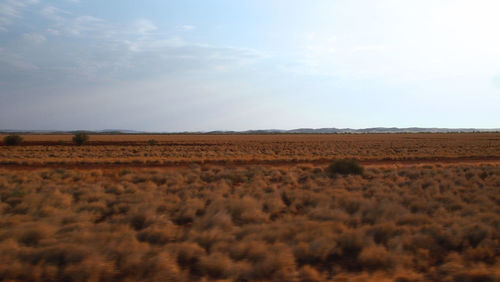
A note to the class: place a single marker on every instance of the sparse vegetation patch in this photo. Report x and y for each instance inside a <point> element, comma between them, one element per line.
<point>80,138</point>
<point>344,167</point>
<point>12,140</point>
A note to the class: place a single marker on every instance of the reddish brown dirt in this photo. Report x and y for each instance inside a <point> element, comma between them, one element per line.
<point>281,163</point>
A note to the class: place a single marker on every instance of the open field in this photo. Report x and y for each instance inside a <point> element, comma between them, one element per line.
<point>253,149</point>
<point>251,208</point>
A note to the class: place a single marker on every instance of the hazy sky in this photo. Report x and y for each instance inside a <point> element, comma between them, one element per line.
<point>234,65</point>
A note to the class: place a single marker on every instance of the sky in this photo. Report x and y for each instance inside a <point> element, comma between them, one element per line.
<point>189,65</point>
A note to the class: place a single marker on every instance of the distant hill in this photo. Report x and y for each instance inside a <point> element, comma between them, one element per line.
<point>363,130</point>
<point>270,131</point>
<point>390,130</point>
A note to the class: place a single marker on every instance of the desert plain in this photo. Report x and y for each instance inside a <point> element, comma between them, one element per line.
<point>426,207</point>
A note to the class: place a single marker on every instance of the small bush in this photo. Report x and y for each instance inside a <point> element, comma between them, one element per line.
<point>156,236</point>
<point>475,233</point>
<point>344,167</point>
<point>309,274</point>
<point>12,140</point>
<point>216,265</point>
<point>80,138</point>
<point>350,243</point>
<point>476,275</point>
<point>188,256</point>
<point>152,142</point>
<point>31,237</point>
<point>375,257</point>
<point>140,221</point>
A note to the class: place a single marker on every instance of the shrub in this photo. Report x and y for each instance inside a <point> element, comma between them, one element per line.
<point>350,243</point>
<point>59,255</point>
<point>188,256</point>
<point>216,265</point>
<point>475,233</point>
<point>152,142</point>
<point>159,267</point>
<point>31,237</point>
<point>80,138</point>
<point>344,167</point>
<point>156,236</point>
<point>250,250</point>
<point>474,275</point>
<point>12,140</point>
<point>383,232</point>
<point>309,274</point>
<point>140,221</point>
<point>277,265</point>
<point>349,246</point>
<point>375,257</point>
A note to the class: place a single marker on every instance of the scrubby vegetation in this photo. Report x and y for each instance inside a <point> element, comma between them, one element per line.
<point>421,223</point>
<point>261,149</point>
<point>11,140</point>
<point>80,138</point>
<point>344,167</point>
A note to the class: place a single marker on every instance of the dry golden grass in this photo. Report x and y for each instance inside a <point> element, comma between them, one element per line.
<point>420,223</point>
<point>172,149</point>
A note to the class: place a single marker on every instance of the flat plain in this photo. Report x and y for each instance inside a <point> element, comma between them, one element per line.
<point>251,149</point>
<point>251,208</point>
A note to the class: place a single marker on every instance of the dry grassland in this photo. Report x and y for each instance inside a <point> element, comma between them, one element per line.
<point>267,222</point>
<point>421,223</point>
<point>257,149</point>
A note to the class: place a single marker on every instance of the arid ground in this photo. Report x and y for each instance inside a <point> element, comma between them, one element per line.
<point>251,208</point>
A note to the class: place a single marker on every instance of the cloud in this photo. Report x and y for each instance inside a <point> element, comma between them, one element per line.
<point>88,25</point>
<point>34,38</point>
<point>15,62</point>
<point>372,47</point>
<point>53,13</point>
<point>83,48</point>
<point>144,26</point>
<point>187,27</point>
<point>151,44</point>
<point>65,23</point>
<point>318,48</point>
<point>12,9</point>
<point>52,31</point>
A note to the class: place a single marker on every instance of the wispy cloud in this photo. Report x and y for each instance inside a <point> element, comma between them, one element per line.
<point>187,27</point>
<point>16,62</point>
<point>65,23</point>
<point>98,50</point>
<point>89,25</point>
<point>53,12</point>
<point>11,10</point>
<point>372,47</point>
<point>34,38</point>
<point>143,26</point>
